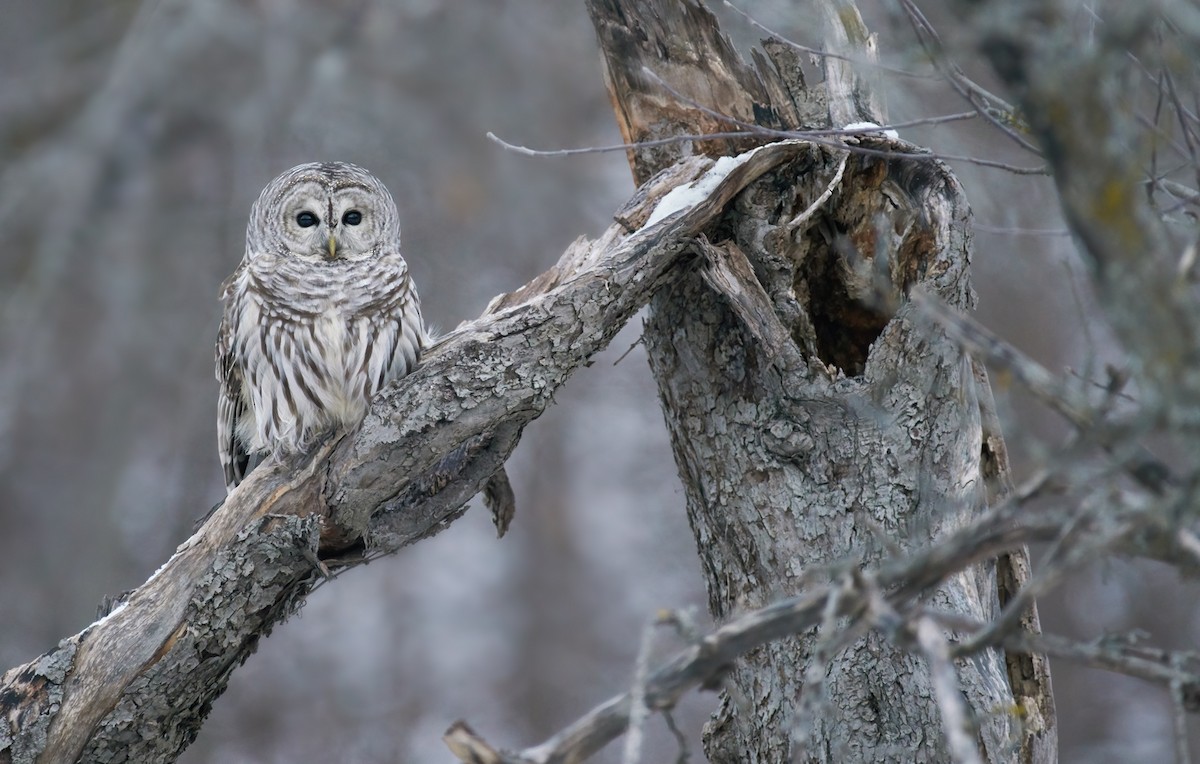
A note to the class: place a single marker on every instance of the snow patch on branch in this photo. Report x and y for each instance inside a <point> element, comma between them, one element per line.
<point>689,195</point>
<point>861,126</point>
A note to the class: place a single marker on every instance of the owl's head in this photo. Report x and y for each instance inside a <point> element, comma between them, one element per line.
<point>324,212</point>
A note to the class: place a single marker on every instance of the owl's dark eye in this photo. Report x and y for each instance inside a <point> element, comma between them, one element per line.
<point>307,219</point>
<point>352,217</point>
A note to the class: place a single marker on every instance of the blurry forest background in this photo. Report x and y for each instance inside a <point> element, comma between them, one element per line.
<point>134,137</point>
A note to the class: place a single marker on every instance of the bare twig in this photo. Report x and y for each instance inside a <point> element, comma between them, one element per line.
<point>1185,127</point>
<point>955,718</point>
<point>1178,716</point>
<point>1014,231</point>
<point>803,217</point>
<point>638,712</point>
<point>1120,656</point>
<point>525,151</point>
<point>815,136</point>
<point>632,346</point>
<point>680,739</point>
<point>1142,465</point>
<point>986,103</point>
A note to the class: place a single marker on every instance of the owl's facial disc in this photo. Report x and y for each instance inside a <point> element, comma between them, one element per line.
<point>323,224</point>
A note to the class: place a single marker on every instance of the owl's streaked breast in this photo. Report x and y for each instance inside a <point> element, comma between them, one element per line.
<point>314,360</point>
<point>344,343</point>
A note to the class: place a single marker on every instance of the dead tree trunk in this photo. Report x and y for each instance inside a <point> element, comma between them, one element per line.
<point>818,423</point>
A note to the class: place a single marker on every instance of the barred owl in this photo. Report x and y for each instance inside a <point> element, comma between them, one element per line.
<point>319,316</point>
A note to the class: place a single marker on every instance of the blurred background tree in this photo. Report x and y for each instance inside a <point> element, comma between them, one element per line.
<point>133,138</point>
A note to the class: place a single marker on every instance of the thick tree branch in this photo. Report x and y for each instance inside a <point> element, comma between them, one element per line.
<point>141,680</point>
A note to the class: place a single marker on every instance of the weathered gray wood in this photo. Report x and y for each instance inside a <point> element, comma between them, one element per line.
<point>872,446</point>
<point>137,684</point>
<point>701,65</point>
<point>854,92</point>
<point>1028,672</point>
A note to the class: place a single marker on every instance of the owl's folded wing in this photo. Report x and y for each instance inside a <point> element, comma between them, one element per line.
<point>231,407</point>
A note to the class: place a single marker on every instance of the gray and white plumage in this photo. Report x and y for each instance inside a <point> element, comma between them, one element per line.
<point>320,315</point>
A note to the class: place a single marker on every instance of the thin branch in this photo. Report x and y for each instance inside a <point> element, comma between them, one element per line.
<point>1184,126</point>
<point>1015,169</point>
<point>1180,148</point>
<point>1144,467</point>
<point>1158,107</point>
<point>983,101</point>
<point>812,209</point>
<point>638,711</point>
<point>814,136</point>
<point>1178,716</point>
<point>1108,653</point>
<point>680,739</point>
<point>525,151</point>
<point>955,718</point>
<point>751,129</point>
<point>1011,231</point>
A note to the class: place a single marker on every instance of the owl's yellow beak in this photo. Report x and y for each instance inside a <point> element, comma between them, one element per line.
<point>332,246</point>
